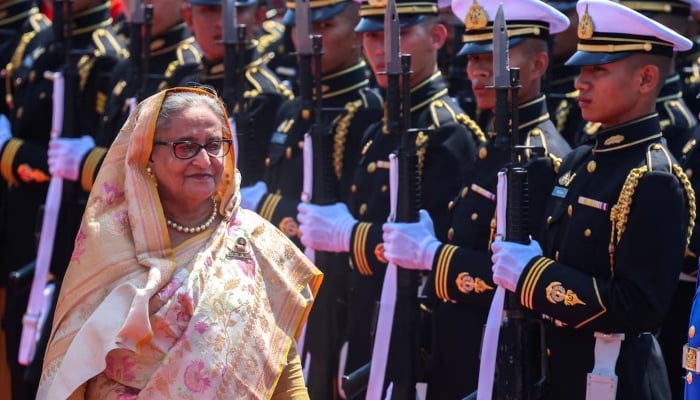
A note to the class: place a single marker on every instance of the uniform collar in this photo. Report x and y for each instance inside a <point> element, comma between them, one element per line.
<point>87,21</point>
<point>14,14</point>
<point>530,114</point>
<point>428,90</point>
<point>632,133</point>
<point>215,69</point>
<point>170,40</point>
<point>348,80</point>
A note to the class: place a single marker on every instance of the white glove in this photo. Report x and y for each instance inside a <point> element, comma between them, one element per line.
<point>5,131</point>
<point>66,154</point>
<point>325,228</point>
<point>509,260</point>
<point>251,195</point>
<point>411,245</point>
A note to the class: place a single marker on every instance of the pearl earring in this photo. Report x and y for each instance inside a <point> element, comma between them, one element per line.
<point>150,173</point>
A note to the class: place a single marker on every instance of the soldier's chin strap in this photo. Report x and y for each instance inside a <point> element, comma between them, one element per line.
<point>601,383</point>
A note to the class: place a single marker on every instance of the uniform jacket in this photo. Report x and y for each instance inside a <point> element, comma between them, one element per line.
<point>617,224</point>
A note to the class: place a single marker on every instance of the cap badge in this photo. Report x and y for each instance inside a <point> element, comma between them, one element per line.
<point>476,17</point>
<point>585,26</point>
<point>377,3</point>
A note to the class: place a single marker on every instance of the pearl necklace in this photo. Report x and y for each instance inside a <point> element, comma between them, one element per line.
<point>194,229</point>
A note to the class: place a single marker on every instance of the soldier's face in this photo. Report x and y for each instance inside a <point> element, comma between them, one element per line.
<point>480,73</point>
<point>421,41</point>
<point>610,93</point>
<point>341,44</point>
<point>167,15</point>
<point>205,24</point>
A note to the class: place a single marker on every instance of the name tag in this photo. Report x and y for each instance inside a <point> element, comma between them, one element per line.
<point>560,191</point>
<point>278,138</point>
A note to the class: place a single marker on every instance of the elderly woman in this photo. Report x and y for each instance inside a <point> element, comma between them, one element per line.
<point>173,291</point>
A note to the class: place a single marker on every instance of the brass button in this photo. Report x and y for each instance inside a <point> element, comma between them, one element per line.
<point>300,144</point>
<point>689,172</point>
<point>483,153</point>
<point>570,210</point>
<point>363,209</point>
<point>32,76</point>
<point>42,95</point>
<point>450,205</point>
<point>691,331</point>
<point>587,232</point>
<point>451,234</point>
<point>549,219</point>
<point>288,153</point>
<point>465,190</point>
<point>353,188</point>
<point>371,167</point>
<point>475,216</point>
<point>384,188</point>
<point>267,162</point>
<point>590,167</point>
<point>20,112</point>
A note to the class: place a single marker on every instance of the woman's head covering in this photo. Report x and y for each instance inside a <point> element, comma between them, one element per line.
<point>123,254</point>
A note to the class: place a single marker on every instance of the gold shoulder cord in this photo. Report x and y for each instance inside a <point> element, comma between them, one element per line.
<point>16,60</point>
<point>562,114</point>
<point>464,119</point>
<point>341,133</point>
<point>620,211</point>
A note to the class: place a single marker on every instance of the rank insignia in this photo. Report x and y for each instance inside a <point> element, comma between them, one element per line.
<point>476,17</point>
<point>565,180</point>
<point>556,293</point>
<point>614,140</point>
<point>467,284</point>
<point>379,253</point>
<point>289,226</point>
<point>585,26</point>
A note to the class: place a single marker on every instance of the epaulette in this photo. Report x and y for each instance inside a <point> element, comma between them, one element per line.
<point>442,111</point>
<point>658,158</point>
<point>274,30</point>
<point>257,67</point>
<point>187,53</point>
<point>678,113</point>
<point>340,135</point>
<point>105,43</point>
<point>688,148</point>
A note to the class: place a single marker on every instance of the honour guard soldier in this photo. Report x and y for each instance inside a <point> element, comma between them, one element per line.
<point>19,22</point>
<point>617,222</point>
<point>172,55</point>
<point>261,89</point>
<point>446,144</point>
<point>23,162</point>
<point>351,105</point>
<point>459,257</point>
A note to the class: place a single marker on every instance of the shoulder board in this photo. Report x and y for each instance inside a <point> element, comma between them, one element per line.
<point>39,22</point>
<point>107,43</point>
<point>371,99</point>
<point>679,114</point>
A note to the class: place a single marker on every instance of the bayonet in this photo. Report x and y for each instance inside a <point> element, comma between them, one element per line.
<point>501,68</point>
<point>391,42</point>
<point>303,27</point>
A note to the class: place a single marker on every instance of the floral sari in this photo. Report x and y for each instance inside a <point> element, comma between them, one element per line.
<point>213,318</point>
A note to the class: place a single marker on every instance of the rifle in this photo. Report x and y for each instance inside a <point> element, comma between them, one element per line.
<point>251,164</point>
<point>520,360</point>
<point>320,186</point>
<point>63,122</point>
<point>139,52</point>
<point>399,300</point>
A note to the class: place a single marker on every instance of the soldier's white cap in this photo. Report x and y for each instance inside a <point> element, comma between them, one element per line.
<point>524,19</point>
<point>674,7</point>
<point>608,32</point>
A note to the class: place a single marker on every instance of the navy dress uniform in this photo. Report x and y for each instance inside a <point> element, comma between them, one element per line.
<point>446,143</point>
<point>172,56</point>
<point>618,221</point>
<point>350,105</point>
<point>23,162</point>
<point>461,283</point>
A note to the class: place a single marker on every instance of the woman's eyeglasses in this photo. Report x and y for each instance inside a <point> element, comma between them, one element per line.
<point>186,149</point>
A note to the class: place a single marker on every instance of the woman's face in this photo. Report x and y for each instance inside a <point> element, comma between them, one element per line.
<point>187,184</point>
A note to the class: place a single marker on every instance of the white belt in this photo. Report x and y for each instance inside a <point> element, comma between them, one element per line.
<point>602,381</point>
<point>690,359</point>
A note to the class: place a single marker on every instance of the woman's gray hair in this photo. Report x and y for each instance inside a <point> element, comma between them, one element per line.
<point>177,101</point>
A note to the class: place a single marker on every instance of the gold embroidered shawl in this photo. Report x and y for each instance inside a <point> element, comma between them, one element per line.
<point>123,257</point>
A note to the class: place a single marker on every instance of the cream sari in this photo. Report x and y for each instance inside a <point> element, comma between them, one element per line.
<point>213,318</point>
